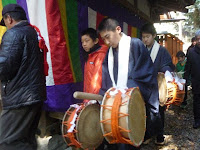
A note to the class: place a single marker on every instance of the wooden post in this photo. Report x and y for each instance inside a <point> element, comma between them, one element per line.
<point>170,45</point>
<point>174,50</point>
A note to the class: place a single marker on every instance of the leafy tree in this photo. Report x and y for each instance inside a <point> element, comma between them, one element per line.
<point>192,23</point>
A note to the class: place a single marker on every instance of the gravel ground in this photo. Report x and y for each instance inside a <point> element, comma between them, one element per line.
<point>179,134</point>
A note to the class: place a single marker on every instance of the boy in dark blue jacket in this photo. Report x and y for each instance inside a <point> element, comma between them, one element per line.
<point>161,61</point>
<point>126,65</point>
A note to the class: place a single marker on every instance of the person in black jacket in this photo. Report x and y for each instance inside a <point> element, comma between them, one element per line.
<point>192,68</point>
<point>23,81</point>
<point>193,40</point>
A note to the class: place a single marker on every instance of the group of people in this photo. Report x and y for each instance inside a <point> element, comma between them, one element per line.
<point>144,61</point>
<point>188,67</point>
<point>123,62</point>
<point>129,62</point>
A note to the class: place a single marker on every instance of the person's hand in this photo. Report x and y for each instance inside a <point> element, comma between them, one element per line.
<point>85,101</point>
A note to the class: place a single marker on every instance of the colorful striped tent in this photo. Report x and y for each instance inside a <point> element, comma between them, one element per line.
<point>60,23</point>
<point>2,29</point>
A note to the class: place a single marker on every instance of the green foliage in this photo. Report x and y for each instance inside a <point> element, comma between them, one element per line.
<point>192,23</point>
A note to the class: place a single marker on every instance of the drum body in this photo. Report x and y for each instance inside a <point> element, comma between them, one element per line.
<point>86,131</point>
<point>123,117</point>
<point>162,89</point>
<point>169,93</point>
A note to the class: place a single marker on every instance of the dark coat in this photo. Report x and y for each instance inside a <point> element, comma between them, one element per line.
<point>192,68</point>
<point>163,61</point>
<point>21,67</point>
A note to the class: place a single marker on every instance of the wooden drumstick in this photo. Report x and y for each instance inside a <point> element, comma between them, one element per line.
<point>89,96</point>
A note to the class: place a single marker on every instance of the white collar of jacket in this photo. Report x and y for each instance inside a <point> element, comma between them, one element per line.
<point>123,61</point>
<point>154,51</point>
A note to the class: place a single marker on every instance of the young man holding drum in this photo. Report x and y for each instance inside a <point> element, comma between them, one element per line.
<point>162,62</point>
<point>126,65</point>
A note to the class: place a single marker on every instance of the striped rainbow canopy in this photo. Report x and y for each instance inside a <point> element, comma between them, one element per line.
<point>60,23</point>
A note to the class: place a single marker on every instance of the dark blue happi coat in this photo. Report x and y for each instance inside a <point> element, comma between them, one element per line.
<point>141,74</point>
<point>163,61</point>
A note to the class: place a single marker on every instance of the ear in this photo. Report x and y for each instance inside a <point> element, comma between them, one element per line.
<point>96,41</point>
<point>10,20</point>
<point>118,29</point>
<point>154,36</point>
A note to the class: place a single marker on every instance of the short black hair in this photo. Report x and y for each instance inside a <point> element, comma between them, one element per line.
<point>92,33</point>
<point>108,24</point>
<point>17,16</point>
<point>193,39</point>
<point>148,28</point>
<point>180,54</point>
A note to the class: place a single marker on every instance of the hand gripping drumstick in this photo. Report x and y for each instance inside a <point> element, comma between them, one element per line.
<point>89,96</point>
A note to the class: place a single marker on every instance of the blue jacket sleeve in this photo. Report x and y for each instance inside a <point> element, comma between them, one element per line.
<point>106,81</point>
<point>188,67</point>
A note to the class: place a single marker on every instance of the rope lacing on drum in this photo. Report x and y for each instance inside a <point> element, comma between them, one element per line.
<point>71,135</point>
<point>115,115</point>
<point>173,92</point>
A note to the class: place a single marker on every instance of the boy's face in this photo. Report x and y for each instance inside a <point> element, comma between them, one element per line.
<point>198,41</point>
<point>148,39</point>
<point>87,42</point>
<point>181,59</point>
<point>112,38</point>
<point>194,43</point>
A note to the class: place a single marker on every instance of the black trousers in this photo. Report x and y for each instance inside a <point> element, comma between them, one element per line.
<point>18,127</point>
<point>196,107</point>
<point>153,122</point>
<point>160,125</point>
<point>185,96</point>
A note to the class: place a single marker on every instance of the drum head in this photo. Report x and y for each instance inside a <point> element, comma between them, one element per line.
<point>137,117</point>
<point>88,126</point>
<point>162,87</point>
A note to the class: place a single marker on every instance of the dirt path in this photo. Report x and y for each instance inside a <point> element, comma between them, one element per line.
<point>179,133</point>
